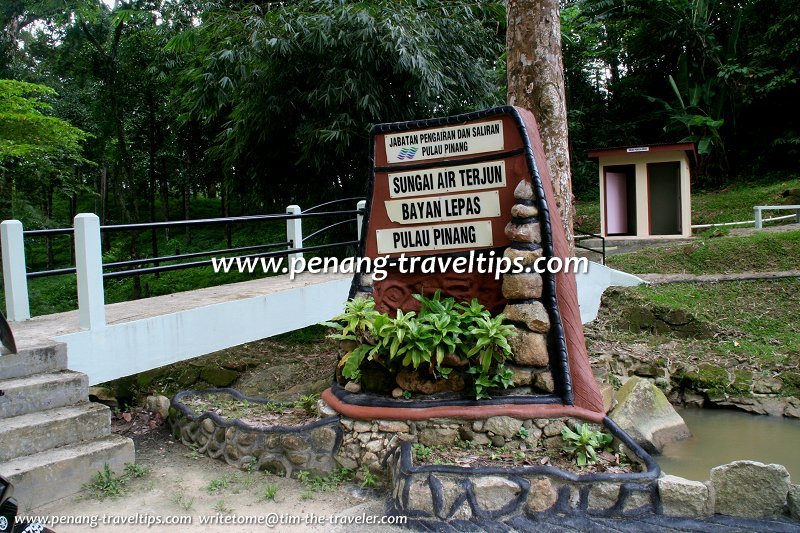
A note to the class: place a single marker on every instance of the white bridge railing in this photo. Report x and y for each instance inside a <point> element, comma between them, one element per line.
<point>90,271</point>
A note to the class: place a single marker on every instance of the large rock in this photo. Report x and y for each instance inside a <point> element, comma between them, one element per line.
<point>492,493</point>
<point>684,497</point>
<point>646,415</point>
<point>533,315</point>
<point>522,286</point>
<point>414,381</point>
<point>794,501</point>
<point>750,489</point>
<point>529,349</point>
<point>503,425</point>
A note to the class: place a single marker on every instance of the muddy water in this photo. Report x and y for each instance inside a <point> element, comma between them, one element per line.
<point>721,436</point>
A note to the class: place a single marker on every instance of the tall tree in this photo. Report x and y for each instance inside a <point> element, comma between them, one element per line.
<point>536,82</point>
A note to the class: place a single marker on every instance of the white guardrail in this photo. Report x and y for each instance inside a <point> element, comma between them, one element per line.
<point>757,221</point>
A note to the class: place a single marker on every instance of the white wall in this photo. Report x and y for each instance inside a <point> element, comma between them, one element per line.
<point>119,350</point>
<point>593,284</point>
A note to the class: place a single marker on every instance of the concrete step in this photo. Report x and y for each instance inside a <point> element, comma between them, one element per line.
<point>47,476</point>
<point>33,359</point>
<point>41,392</point>
<point>37,432</point>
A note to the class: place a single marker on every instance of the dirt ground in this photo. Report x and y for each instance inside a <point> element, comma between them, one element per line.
<point>179,483</point>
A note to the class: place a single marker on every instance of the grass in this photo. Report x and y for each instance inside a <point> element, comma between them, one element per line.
<point>220,484</point>
<point>751,325</point>
<point>181,500</point>
<point>760,252</point>
<point>327,483</point>
<point>752,318</point>
<point>105,484</point>
<point>270,492</point>
<point>733,203</point>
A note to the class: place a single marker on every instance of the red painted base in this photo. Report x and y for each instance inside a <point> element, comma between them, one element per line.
<point>474,412</point>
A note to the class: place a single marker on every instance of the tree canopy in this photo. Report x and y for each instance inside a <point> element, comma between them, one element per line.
<point>260,104</point>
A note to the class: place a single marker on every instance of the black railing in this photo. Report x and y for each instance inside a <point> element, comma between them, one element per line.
<point>581,235</point>
<point>131,266</point>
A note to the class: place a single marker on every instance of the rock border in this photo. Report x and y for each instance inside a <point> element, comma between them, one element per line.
<point>282,450</point>
<point>457,493</point>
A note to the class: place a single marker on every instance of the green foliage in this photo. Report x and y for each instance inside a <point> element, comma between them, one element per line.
<point>220,484</point>
<point>443,327</point>
<point>584,443</point>
<point>385,60</point>
<point>270,492</point>
<point>28,136</point>
<point>370,481</point>
<point>105,484</point>
<point>331,482</point>
<point>420,451</point>
<point>356,321</point>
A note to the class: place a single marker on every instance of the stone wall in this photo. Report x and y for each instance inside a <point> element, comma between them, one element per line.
<point>282,450</point>
<point>743,489</point>
<point>367,442</point>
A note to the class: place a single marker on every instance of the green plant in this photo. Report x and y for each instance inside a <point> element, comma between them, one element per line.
<point>180,499</point>
<point>104,484</point>
<point>325,483</point>
<point>356,322</point>
<point>420,451</point>
<point>222,507</point>
<point>370,480</point>
<point>133,470</point>
<point>308,403</point>
<point>407,394</point>
<point>584,443</point>
<point>502,377</point>
<point>270,492</point>
<point>423,341</point>
<point>523,433</point>
<point>220,484</point>
<point>250,466</point>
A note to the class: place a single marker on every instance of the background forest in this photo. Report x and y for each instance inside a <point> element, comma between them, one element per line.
<point>174,109</point>
<point>140,108</point>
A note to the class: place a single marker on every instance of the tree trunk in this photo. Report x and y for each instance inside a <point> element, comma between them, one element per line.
<point>536,82</point>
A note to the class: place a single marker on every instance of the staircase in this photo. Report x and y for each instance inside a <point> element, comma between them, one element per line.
<point>52,439</point>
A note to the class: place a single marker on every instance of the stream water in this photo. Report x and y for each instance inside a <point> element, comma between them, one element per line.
<point>720,436</point>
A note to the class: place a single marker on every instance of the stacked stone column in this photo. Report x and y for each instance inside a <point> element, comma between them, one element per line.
<point>530,359</point>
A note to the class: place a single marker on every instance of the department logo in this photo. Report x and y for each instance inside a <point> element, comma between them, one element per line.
<point>407,153</point>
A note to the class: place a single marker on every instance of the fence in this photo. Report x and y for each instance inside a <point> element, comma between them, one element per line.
<point>91,272</point>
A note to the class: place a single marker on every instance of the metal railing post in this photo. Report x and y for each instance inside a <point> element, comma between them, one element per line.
<point>15,280</point>
<point>757,217</point>
<point>89,271</point>
<point>294,230</point>
<point>361,206</point>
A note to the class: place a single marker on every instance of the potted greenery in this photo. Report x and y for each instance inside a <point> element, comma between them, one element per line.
<point>445,346</point>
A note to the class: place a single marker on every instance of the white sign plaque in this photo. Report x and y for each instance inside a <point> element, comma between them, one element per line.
<point>443,208</point>
<point>491,175</point>
<point>451,141</point>
<point>439,237</point>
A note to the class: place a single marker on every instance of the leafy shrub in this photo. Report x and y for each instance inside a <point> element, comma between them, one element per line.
<point>423,341</point>
<point>584,443</point>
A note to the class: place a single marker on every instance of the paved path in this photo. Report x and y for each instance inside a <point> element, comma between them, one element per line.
<point>657,279</point>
